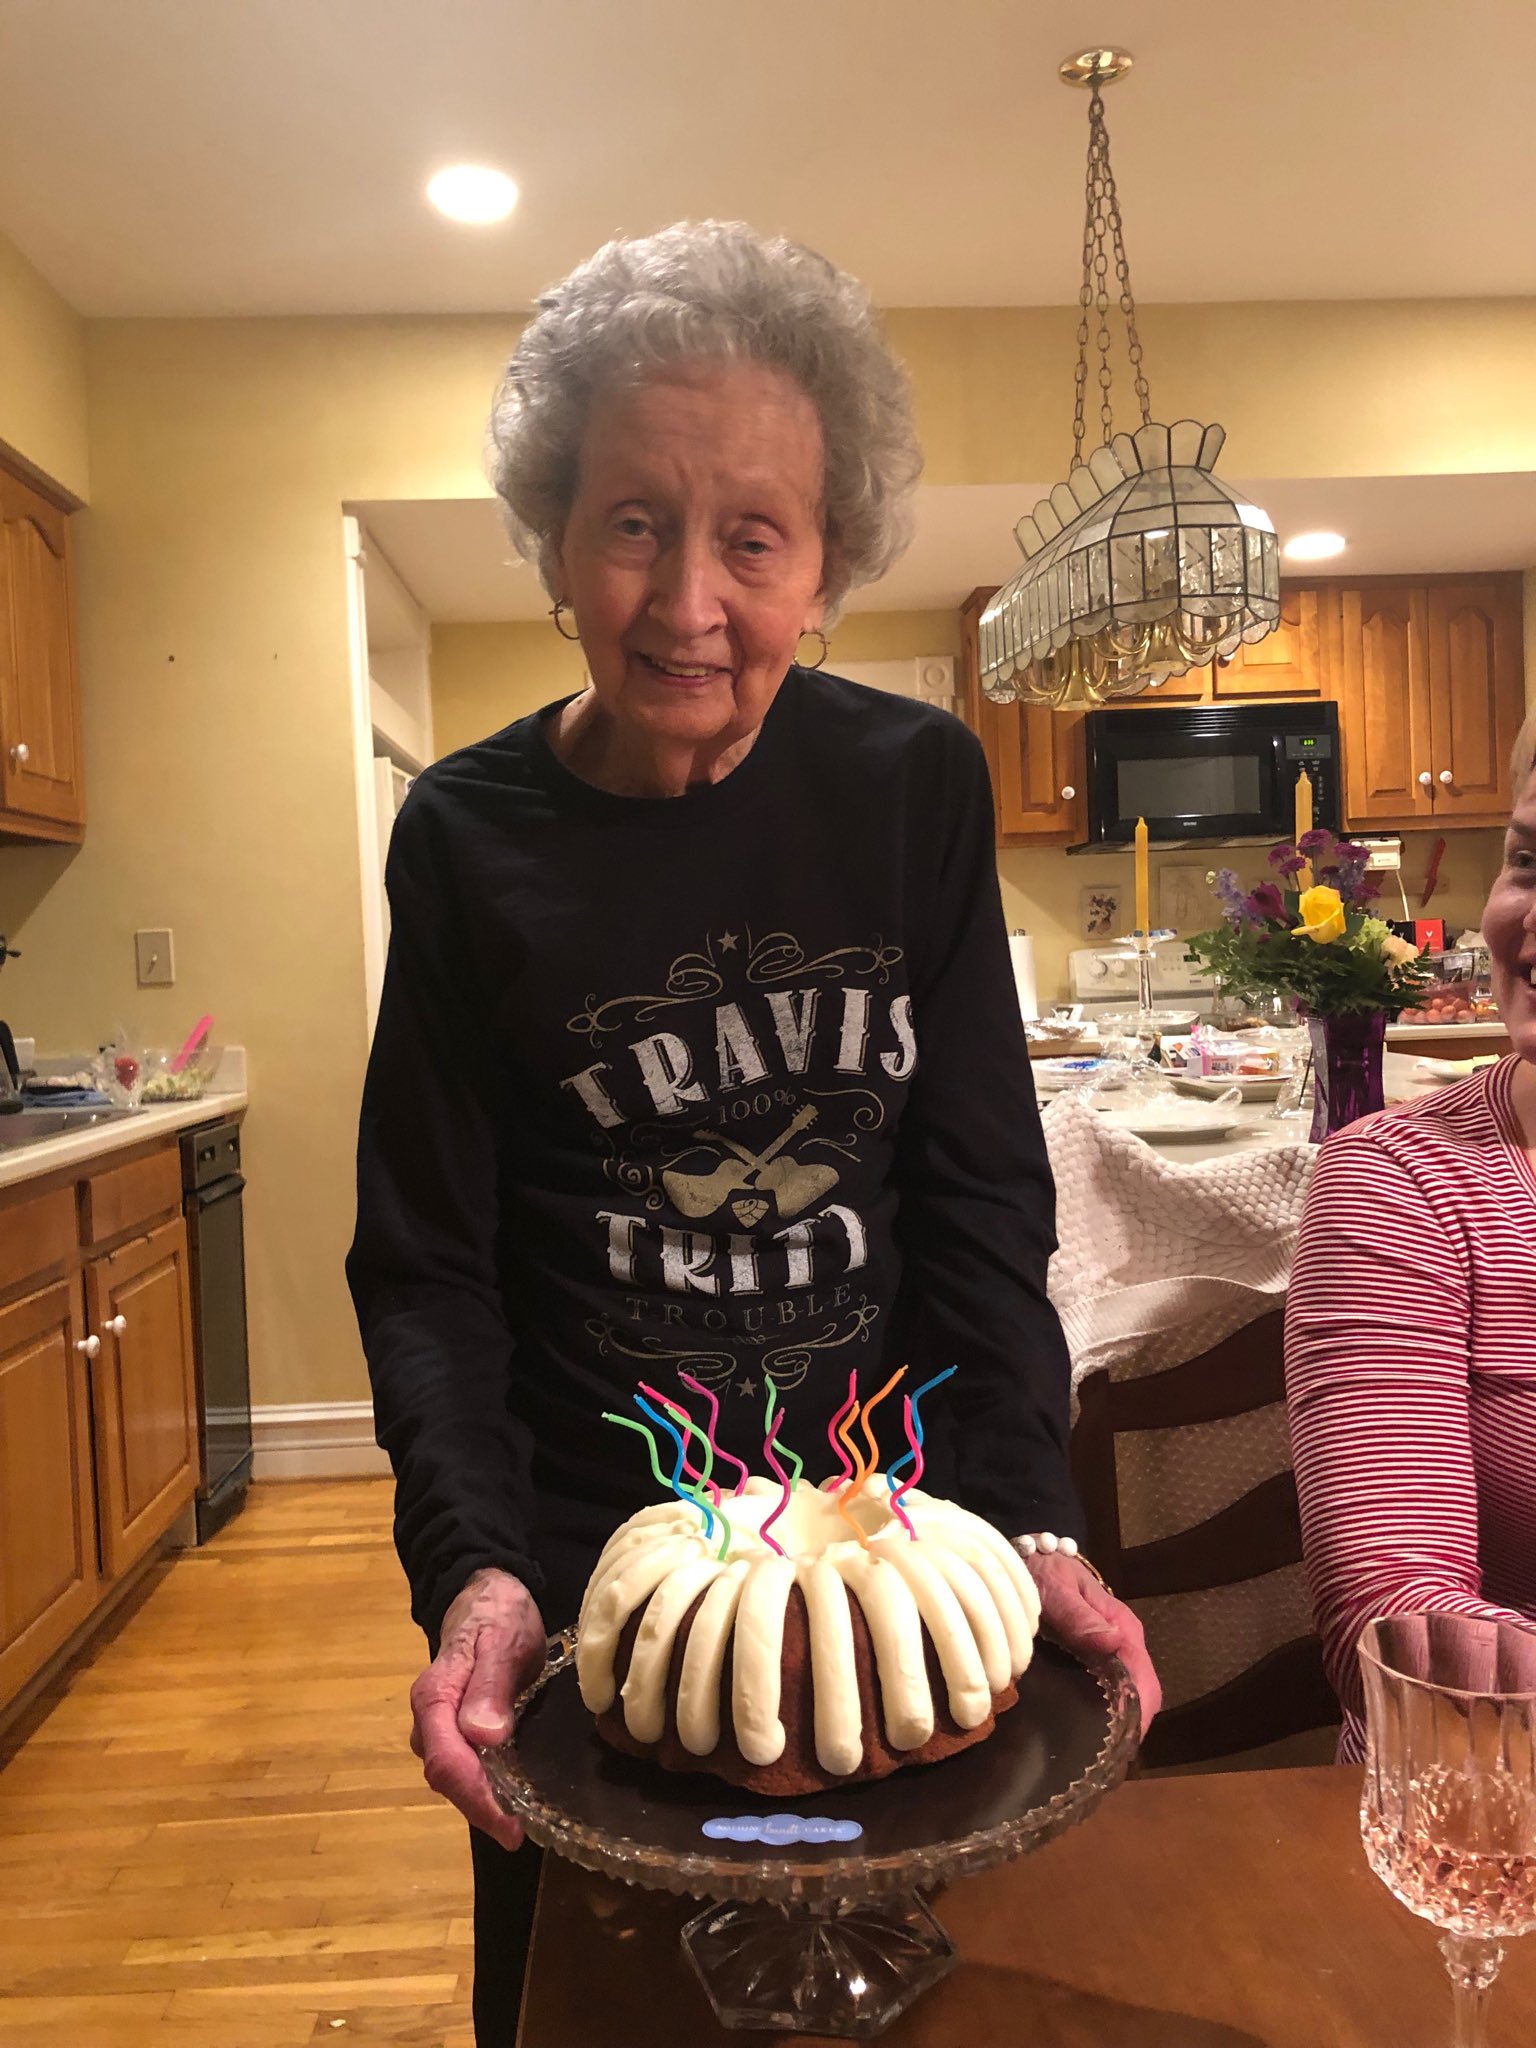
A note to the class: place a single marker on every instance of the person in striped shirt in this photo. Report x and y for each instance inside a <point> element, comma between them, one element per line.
<point>1411,1330</point>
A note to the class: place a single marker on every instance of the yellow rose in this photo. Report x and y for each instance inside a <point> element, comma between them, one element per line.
<point>1398,951</point>
<point>1322,916</point>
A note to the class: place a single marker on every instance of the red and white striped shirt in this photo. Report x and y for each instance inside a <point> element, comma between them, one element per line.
<point>1410,1350</point>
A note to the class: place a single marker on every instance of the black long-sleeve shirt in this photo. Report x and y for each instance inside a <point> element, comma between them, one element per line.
<point>730,1084</point>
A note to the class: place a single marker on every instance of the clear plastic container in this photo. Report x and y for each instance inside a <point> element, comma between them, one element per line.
<point>160,1085</point>
<point>1220,1055</point>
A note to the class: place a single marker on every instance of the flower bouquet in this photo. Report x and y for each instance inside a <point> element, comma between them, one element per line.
<point>1309,935</point>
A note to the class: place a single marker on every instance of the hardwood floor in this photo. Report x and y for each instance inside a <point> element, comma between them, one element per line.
<point>212,1833</point>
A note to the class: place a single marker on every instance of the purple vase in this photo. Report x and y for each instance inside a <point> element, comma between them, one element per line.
<point>1346,1064</point>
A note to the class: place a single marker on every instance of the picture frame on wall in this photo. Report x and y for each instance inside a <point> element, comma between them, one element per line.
<point>1184,900</point>
<point>1102,909</point>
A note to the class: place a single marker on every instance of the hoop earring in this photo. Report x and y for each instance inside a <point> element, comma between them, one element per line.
<point>816,632</point>
<point>555,610</point>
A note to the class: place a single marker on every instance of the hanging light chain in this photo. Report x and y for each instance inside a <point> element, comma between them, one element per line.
<point>1103,235</point>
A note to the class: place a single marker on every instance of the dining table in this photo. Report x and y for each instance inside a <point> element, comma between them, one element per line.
<point>1205,1910</point>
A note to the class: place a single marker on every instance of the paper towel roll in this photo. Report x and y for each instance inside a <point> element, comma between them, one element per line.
<point>1021,948</point>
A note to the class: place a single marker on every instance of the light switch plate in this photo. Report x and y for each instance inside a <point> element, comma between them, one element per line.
<point>156,959</point>
<point>1386,855</point>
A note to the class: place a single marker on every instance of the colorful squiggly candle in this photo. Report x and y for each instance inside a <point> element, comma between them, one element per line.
<point>701,1473</point>
<point>783,1478</point>
<point>915,1438</point>
<point>863,1465</point>
<point>690,1494</point>
<point>897,1491</point>
<point>915,1429</point>
<point>720,1451</point>
<point>833,1428</point>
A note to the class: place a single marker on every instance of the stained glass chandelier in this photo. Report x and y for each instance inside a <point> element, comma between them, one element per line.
<point>1143,563</point>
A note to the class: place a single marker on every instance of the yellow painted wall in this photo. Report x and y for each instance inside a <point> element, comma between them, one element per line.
<point>42,375</point>
<point>214,653</point>
<point>484,676</point>
<point>1318,388</point>
<point>218,746</point>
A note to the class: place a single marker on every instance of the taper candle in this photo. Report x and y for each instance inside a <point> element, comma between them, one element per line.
<point>1143,879</point>
<point>1303,822</point>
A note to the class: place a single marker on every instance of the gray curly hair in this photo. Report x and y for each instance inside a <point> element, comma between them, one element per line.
<point>711,290</point>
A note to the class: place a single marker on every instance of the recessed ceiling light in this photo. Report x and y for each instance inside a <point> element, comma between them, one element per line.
<point>1314,547</point>
<point>472,193</point>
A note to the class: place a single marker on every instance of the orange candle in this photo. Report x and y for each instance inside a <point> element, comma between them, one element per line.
<point>1143,878</point>
<point>1303,822</point>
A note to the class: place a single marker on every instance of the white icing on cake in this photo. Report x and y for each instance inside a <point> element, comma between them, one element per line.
<point>961,1581</point>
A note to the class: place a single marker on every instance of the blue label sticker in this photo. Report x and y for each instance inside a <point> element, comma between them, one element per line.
<point>781,1830</point>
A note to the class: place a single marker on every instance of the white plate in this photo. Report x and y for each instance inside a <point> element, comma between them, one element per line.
<point>1088,1070</point>
<point>1455,1070</point>
<point>1172,1122</point>
<point>1255,1087</point>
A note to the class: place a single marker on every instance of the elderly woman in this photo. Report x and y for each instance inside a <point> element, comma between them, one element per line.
<point>699,1051</point>
<point>1411,1330</point>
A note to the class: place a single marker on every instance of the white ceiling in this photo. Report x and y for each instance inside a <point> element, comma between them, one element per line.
<point>455,556</point>
<point>268,156</point>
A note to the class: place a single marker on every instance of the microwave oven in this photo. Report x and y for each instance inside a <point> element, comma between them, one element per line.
<point>1203,772</point>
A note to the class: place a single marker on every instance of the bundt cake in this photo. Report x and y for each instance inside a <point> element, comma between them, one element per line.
<point>856,1639</point>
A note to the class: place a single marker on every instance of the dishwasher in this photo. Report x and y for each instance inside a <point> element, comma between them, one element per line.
<point>212,1191</point>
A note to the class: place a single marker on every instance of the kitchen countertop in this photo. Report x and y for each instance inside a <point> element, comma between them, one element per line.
<point>1485,1029</point>
<point>99,1141</point>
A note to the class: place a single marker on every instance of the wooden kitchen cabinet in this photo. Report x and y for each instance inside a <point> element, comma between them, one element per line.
<point>42,790</point>
<point>1477,696</point>
<point>1292,661</point>
<point>1432,697</point>
<point>139,1303</point>
<point>98,1393</point>
<point>48,1575</point>
<point>1035,754</point>
<point>1384,701</point>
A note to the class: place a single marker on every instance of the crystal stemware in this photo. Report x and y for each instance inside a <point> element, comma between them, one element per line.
<point>1448,1810</point>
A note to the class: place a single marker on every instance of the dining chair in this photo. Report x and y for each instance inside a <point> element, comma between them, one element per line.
<point>1186,1482</point>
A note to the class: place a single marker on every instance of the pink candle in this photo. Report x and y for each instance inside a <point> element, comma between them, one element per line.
<point>714,1429</point>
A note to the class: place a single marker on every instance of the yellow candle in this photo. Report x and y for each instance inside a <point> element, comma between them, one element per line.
<point>1303,822</point>
<point>1143,879</point>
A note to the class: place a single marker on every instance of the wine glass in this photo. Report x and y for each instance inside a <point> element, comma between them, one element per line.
<point>1448,1809</point>
<point>1295,1043</point>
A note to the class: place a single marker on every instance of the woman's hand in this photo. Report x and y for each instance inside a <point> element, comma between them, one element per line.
<point>491,1649</point>
<point>1088,1619</point>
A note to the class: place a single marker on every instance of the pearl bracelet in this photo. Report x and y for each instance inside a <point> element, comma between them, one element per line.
<point>1061,1546</point>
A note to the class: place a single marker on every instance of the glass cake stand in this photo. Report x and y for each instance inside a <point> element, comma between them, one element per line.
<point>829,1937</point>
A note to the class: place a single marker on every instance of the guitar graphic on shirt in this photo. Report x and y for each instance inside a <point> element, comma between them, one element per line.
<point>749,1179</point>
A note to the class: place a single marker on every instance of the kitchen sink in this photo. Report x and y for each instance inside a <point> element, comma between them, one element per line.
<point>31,1126</point>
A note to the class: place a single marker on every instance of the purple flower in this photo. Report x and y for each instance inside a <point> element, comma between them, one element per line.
<point>1315,842</point>
<point>1291,867</point>
<point>1234,898</point>
<point>1266,902</point>
<point>1279,855</point>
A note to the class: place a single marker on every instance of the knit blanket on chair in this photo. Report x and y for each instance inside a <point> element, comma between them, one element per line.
<point>1157,1261</point>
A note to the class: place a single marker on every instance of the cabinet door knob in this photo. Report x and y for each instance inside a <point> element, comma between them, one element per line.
<point>90,1346</point>
<point>21,754</point>
<point>1426,780</point>
<point>1068,793</point>
<point>116,1324</point>
<point>1447,777</point>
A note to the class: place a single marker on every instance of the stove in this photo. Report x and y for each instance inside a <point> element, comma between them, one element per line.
<point>1104,977</point>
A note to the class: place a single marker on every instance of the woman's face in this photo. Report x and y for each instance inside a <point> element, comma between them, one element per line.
<point>1509,926</point>
<point>692,558</point>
